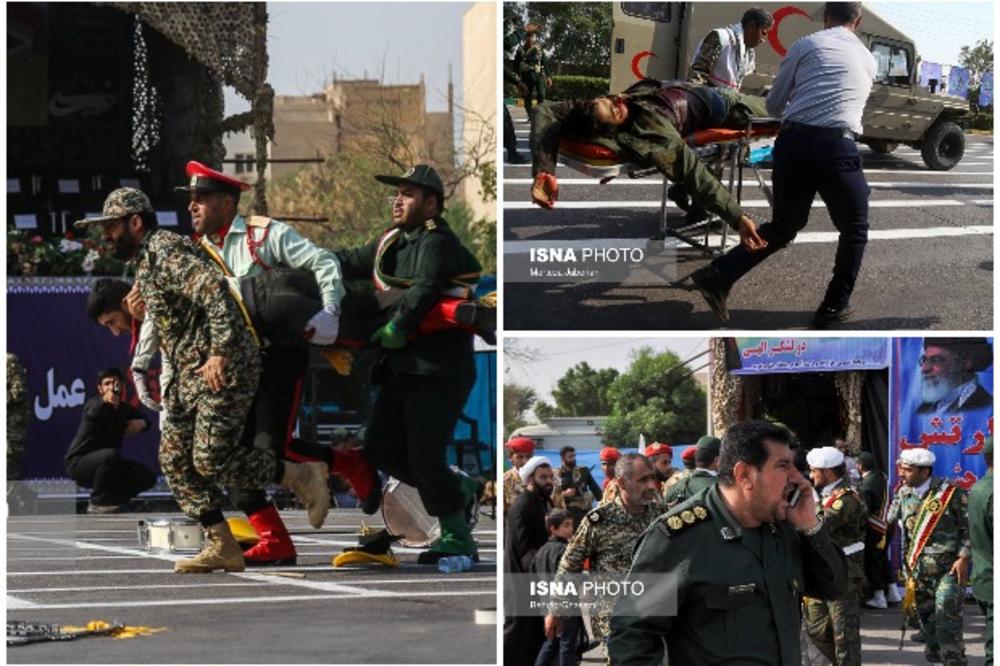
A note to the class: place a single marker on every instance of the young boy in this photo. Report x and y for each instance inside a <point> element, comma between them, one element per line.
<point>565,643</point>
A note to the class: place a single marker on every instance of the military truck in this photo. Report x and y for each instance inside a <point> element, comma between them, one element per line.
<point>658,40</point>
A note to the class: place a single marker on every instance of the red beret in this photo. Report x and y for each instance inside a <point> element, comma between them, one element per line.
<point>610,454</point>
<point>656,448</point>
<point>688,453</point>
<point>524,445</point>
<point>202,178</point>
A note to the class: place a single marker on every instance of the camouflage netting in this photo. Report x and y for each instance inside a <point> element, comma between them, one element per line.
<point>230,40</point>
<point>849,388</point>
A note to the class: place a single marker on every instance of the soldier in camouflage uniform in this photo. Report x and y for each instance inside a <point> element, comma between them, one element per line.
<point>18,415</point>
<point>207,339</point>
<point>609,457</point>
<point>835,625</point>
<point>608,534</point>
<point>936,551</point>
<point>662,455</point>
<point>575,487</point>
<point>520,450</point>
<point>529,64</point>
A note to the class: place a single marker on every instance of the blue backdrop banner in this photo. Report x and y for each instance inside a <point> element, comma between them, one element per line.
<point>759,356</point>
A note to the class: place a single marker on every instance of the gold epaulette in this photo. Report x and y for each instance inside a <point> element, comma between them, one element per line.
<point>677,522</point>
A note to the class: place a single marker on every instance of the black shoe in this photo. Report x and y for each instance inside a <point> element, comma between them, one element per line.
<point>479,316</point>
<point>715,292</point>
<point>679,196</point>
<point>696,214</point>
<point>933,656</point>
<point>918,637</point>
<point>826,317</point>
<point>371,504</point>
<point>514,157</point>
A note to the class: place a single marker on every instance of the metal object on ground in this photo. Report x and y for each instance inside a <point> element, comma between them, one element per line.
<point>404,515</point>
<point>171,535</point>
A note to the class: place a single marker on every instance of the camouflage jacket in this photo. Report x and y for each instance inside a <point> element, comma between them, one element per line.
<point>606,536</point>
<point>512,487</point>
<point>950,538</point>
<point>190,302</point>
<point>529,62</point>
<point>843,512</point>
<point>586,488</point>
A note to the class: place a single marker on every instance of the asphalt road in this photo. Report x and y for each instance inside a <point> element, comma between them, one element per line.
<point>73,569</point>
<point>928,264</point>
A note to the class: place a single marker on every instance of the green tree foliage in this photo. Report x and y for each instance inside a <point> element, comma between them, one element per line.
<point>581,391</point>
<point>576,36</point>
<point>978,60</point>
<point>656,397</point>
<point>517,400</point>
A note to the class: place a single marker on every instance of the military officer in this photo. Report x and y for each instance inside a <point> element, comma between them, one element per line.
<point>520,450</point>
<point>249,247</point>
<point>511,77</point>
<point>423,383</point>
<point>936,551</point>
<point>706,459</point>
<point>609,456</point>
<point>18,415</point>
<point>725,571</point>
<point>661,455</point>
<point>608,534</point>
<point>529,63</point>
<point>874,491</point>
<point>835,625</point>
<point>216,364</point>
<point>981,536</point>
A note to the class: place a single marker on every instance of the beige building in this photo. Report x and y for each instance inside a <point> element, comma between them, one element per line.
<point>479,93</point>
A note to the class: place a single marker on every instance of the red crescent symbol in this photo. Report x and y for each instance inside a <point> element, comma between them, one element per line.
<point>638,58</point>
<point>772,34</point>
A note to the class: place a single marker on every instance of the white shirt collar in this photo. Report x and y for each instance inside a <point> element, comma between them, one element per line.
<point>830,487</point>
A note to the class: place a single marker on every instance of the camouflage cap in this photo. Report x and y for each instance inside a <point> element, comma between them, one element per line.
<point>122,202</point>
<point>423,175</point>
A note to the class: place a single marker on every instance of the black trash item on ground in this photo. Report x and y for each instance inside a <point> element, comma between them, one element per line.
<point>23,633</point>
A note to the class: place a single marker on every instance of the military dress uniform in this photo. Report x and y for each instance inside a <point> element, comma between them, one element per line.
<point>981,536</point>
<point>529,63</point>
<point>935,533</point>
<point>196,317</point>
<point>737,591</point>
<point>606,536</point>
<point>835,625</point>
<point>422,387</point>
<point>18,415</point>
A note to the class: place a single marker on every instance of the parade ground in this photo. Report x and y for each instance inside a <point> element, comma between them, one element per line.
<point>72,569</point>
<point>928,263</point>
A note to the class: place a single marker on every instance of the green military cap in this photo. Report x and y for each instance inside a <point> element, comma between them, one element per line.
<point>122,202</point>
<point>423,175</point>
<point>710,444</point>
<point>866,459</point>
<point>988,446</point>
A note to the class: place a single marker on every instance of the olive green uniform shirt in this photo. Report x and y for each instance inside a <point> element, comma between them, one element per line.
<point>981,536</point>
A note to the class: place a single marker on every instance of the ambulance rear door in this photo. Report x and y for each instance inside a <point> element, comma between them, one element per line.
<point>644,42</point>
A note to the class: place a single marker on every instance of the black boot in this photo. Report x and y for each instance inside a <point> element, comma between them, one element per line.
<point>826,317</point>
<point>713,289</point>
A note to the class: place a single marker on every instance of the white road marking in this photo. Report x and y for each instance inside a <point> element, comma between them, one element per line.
<point>415,580</point>
<point>752,184</point>
<point>746,203</point>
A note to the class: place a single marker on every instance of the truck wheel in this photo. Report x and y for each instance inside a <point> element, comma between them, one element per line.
<point>943,146</point>
<point>883,147</point>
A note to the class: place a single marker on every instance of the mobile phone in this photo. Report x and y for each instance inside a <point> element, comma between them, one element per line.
<point>793,497</point>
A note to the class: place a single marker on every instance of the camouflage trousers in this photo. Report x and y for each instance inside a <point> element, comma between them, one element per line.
<point>939,606</point>
<point>200,448</point>
<point>835,626</point>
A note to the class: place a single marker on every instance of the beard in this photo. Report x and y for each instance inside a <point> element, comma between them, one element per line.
<point>934,389</point>
<point>124,247</point>
<point>544,491</point>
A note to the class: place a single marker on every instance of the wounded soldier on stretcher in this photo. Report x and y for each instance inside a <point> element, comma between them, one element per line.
<point>647,125</point>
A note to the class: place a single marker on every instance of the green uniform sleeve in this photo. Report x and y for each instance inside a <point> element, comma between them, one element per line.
<point>656,140</point>
<point>437,264</point>
<point>546,125</point>
<point>578,549</point>
<point>960,505</point>
<point>359,262</point>
<point>703,66</point>
<point>296,251</point>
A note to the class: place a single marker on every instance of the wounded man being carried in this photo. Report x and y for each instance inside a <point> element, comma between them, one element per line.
<point>647,124</point>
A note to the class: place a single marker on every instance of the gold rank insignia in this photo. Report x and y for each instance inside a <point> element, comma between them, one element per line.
<point>687,517</point>
<point>838,505</point>
<point>700,513</point>
<point>675,522</point>
<point>934,506</point>
<point>911,522</point>
<point>430,225</point>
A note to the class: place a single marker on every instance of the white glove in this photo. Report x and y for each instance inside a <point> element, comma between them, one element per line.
<point>139,379</point>
<point>325,326</point>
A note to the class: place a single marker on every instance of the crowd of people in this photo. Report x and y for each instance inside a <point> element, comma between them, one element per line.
<point>760,538</point>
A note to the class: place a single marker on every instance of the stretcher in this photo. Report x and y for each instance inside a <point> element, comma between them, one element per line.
<point>717,148</point>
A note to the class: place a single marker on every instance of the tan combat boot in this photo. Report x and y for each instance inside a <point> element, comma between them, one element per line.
<point>220,551</point>
<point>309,483</point>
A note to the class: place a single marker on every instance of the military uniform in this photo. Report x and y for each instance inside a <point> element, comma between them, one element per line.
<point>422,386</point>
<point>610,493</point>
<point>18,415</point>
<point>928,555</point>
<point>529,63</point>
<point>675,478</point>
<point>512,487</point>
<point>874,492</point>
<point>835,625</point>
<point>586,489</point>
<point>737,590</point>
<point>689,486</point>
<point>606,536</point>
<point>509,78</point>
<point>197,317</point>
<point>654,135</point>
<point>981,536</point>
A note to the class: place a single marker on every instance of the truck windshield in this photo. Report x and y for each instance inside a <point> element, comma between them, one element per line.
<point>892,64</point>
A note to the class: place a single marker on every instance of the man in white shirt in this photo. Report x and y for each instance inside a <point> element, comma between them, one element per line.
<point>820,93</point>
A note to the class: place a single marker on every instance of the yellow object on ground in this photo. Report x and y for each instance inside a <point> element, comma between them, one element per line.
<point>361,557</point>
<point>124,632</point>
<point>243,531</point>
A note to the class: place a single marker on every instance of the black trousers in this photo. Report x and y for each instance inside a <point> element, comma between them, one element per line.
<point>112,479</point>
<point>410,427</point>
<point>807,161</point>
<point>273,413</point>
<point>509,137</point>
<point>876,562</point>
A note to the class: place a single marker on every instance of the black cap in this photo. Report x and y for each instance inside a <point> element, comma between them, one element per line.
<point>977,351</point>
<point>423,175</point>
